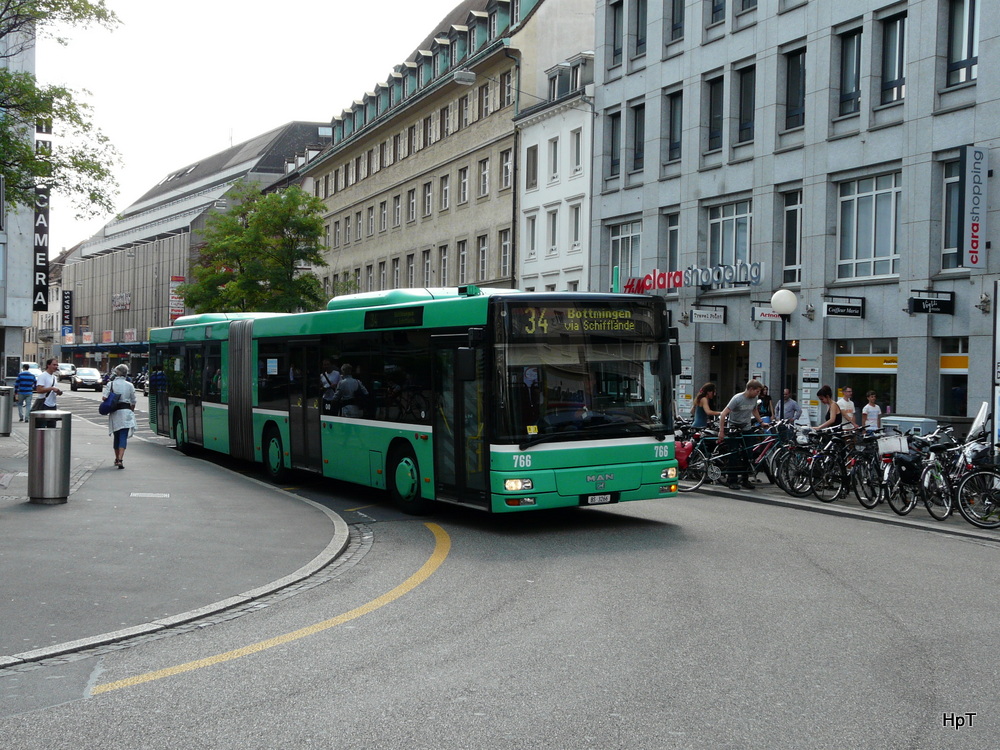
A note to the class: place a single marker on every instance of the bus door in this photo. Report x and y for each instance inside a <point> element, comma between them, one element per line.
<point>197,378</point>
<point>304,406</point>
<point>461,458</point>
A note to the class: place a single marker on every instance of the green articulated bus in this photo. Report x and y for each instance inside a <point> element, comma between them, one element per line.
<point>491,398</point>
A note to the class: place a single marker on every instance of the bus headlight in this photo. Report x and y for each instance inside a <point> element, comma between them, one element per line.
<point>670,473</point>
<point>517,485</point>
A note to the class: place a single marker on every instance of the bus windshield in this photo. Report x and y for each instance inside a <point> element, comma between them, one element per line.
<point>573,380</point>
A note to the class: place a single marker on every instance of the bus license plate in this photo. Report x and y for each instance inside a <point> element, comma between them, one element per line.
<point>598,499</point>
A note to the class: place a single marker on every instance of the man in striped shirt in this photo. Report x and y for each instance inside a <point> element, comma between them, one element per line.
<point>24,386</point>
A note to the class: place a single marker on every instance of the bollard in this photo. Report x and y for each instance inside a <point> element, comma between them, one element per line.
<point>6,409</point>
<point>49,456</point>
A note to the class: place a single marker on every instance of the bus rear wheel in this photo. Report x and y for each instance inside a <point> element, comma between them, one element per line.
<point>274,456</point>
<point>404,482</point>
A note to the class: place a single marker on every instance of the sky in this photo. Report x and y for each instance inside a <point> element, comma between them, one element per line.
<point>178,81</point>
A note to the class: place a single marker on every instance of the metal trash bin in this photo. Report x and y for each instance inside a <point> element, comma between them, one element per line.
<point>49,436</point>
<point>919,425</point>
<point>6,409</point>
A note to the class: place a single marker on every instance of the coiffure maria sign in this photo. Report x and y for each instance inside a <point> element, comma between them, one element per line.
<point>973,170</point>
<point>738,273</point>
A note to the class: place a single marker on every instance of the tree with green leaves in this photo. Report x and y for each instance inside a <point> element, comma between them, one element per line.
<point>81,165</point>
<point>255,256</point>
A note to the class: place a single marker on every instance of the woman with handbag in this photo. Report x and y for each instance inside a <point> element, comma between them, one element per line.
<point>121,421</point>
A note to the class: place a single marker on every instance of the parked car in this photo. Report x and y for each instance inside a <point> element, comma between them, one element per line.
<point>66,371</point>
<point>31,366</point>
<point>86,377</point>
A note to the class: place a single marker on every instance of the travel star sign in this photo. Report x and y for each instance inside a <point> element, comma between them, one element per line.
<point>972,207</point>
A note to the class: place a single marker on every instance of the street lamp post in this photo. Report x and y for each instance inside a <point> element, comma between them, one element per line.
<point>784,303</point>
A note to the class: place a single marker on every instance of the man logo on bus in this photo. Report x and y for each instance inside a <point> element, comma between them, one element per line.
<point>600,477</point>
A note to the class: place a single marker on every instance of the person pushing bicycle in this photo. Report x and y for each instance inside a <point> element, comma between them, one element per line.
<point>737,417</point>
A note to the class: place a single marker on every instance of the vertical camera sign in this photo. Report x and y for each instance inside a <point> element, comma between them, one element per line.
<point>40,290</point>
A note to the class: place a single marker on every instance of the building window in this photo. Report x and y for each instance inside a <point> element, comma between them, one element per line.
<point>427,129</point>
<point>951,223</point>
<point>795,89</point>
<point>639,26</point>
<point>411,205</point>
<point>530,236</point>
<point>553,159</point>
<point>672,227</point>
<point>395,148</point>
<point>894,59</point>
<point>445,191</point>
<point>383,216</point>
<point>444,123</point>
<point>963,41</point>
<point>614,134</point>
<point>492,29</point>
<point>792,238</point>
<point>552,231</point>
<point>411,271</point>
<point>531,167</point>
<point>484,100</point>
<point>616,30</point>
<point>482,251</point>
<point>576,150</point>
<point>484,177</point>
<point>747,82</point>
<point>347,230</point>
<point>443,265</point>
<point>463,112</point>
<point>954,382</point>
<point>357,226</point>
<point>371,220</point>
<point>850,72</point>
<point>504,241</point>
<point>336,234</point>
<point>506,89</point>
<point>638,136</point>
<point>396,210</point>
<point>411,140</point>
<point>869,214</point>
<point>463,184</point>
<point>427,268</point>
<point>575,224</point>
<point>381,275</point>
<point>714,93</point>
<point>676,19</point>
<point>395,273</point>
<point>674,119</point>
<point>462,247</point>
<point>729,228</point>
<point>370,278</point>
<point>717,11</point>
<point>506,169</point>
<point>428,199</point>
<point>625,248</point>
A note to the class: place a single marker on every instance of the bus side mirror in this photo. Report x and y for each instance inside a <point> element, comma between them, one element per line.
<point>675,359</point>
<point>465,363</point>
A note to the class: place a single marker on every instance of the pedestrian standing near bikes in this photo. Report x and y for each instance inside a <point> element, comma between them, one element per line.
<point>735,418</point>
<point>702,408</point>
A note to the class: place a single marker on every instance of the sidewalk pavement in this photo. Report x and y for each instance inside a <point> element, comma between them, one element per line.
<point>164,541</point>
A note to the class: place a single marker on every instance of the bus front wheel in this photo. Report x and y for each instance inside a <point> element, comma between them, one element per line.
<point>180,436</point>
<point>274,456</point>
<point>404,482</point>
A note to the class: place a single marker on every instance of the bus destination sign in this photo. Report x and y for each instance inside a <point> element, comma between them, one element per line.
<point>531,321</point>
<point>394,317</point>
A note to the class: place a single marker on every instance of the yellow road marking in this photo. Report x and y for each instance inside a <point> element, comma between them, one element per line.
<point>441,548</point>
<point>360,507</point>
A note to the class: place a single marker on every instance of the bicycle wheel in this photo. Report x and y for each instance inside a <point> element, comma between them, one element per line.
<point>792,470</point>
<point>935,489</point>
<point>827,477</point>
<point>895,493</point>
<point>693,476</point>
<point>979,498</point>
<point>866,479</point>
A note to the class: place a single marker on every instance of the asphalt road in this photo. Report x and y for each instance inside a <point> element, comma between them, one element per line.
<point>700,622</point>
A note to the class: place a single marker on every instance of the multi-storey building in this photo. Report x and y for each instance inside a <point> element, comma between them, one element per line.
<point>17,241</point>
<point>122,281</point>
<point>420,179</point>
<point>818,146</point>
<point>556,138</point>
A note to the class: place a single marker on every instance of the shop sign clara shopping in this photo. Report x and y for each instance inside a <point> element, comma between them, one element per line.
<point>655,280</point>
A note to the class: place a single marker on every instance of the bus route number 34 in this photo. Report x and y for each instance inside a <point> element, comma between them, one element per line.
<point>522,461</point>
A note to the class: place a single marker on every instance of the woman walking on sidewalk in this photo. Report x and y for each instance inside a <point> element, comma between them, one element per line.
<point>121,422</point>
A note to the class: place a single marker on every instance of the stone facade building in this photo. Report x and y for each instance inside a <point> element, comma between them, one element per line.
<point>821,147</point>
